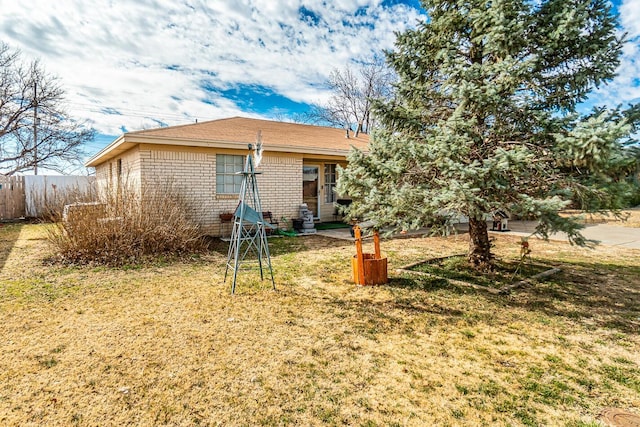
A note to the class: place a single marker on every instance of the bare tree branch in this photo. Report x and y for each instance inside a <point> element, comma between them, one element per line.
<point>27,95</point>
<point>353,92</point>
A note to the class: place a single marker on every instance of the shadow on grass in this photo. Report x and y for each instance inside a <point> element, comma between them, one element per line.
<point>423,284</point>
<point>603,295</point>
<point>409,311</point>
<point>9,234</point>
<point>285,245</point>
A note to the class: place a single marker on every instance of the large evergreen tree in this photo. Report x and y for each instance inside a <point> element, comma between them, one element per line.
<point>485,118</point>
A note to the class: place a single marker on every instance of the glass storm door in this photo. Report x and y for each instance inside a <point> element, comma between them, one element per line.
<point>310,188</point>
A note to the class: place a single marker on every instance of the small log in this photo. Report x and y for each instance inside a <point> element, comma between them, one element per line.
<point>427,261</point>
<point>508,288</point>
<point>454,281</point>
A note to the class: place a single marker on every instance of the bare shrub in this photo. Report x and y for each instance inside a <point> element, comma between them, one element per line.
<point>127,226</point>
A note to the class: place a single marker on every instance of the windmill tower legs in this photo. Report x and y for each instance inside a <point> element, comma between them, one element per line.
<point>248,236</point>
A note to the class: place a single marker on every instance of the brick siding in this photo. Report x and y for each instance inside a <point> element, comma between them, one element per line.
<point>194,172</point>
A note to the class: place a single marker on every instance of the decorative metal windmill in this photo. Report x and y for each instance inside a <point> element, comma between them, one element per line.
<point>248,243</point>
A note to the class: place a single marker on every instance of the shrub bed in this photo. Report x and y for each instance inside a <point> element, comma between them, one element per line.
<point>126,226</point>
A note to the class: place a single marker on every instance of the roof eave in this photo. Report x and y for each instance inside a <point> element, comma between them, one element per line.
<point>107,152</point>
<point>127,141</point>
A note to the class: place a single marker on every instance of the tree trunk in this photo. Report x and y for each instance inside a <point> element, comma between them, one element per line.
<point>479,246</point>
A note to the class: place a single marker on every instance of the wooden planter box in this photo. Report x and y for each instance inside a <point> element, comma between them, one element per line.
<point>375,270</point>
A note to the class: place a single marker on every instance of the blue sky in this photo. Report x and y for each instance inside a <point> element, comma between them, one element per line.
<point>136,64</point>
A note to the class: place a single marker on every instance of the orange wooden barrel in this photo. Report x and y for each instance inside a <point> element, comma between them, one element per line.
<point>368,269</point>
<point>375,270</point>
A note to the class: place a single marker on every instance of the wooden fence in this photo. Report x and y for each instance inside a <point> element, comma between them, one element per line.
<point>34,196</point>
<point>12,197</point>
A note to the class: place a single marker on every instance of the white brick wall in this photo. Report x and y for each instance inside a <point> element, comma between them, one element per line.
<point>194,171</point>
<point>279,184</point>
<point>107,173</point>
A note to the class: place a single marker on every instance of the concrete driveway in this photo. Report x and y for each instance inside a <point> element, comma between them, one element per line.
<point>605,234</point>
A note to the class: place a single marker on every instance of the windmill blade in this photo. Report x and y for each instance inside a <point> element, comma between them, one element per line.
<point>258,152</point>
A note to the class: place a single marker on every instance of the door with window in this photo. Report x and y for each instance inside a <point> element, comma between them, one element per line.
<point>330,180</point>
<point>311,188</point>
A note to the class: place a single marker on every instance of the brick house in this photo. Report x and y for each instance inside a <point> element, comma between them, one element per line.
<point>298,165</point>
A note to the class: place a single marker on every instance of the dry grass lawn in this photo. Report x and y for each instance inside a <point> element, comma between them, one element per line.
<point>166,344</point>
<point>628,218</point>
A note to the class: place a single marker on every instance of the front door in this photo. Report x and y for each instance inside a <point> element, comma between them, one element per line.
<point>311,187</point>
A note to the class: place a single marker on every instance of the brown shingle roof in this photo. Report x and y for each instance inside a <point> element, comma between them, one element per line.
<point>236,132</point>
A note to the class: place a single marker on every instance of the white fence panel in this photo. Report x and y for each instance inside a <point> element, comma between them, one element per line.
<point>44,192</point>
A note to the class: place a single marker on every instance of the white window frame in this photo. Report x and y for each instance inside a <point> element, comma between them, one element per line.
<point>330,196</point>
<point>228,181</point>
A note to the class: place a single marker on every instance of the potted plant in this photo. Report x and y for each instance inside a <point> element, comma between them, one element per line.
<point>226,216</point>
<point>285,223</point>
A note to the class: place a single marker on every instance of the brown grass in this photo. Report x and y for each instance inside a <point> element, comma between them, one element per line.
<point>627,218</point>
<point>167,344</point>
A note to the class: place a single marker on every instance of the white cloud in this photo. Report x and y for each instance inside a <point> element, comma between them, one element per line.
<point>630,17</point>
<point>151,58</point>
<point>625,87</point>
